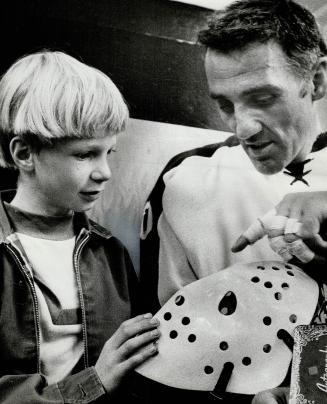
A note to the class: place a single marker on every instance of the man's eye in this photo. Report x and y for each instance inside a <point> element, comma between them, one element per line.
<point>226,107</point>
<point>266,100</point>
<point>111,151</point>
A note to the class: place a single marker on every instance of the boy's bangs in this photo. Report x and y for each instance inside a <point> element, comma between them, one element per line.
<point>73,105</point>
<point>53,96</point>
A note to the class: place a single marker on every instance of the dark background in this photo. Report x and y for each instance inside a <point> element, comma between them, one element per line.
<point>148,47</point>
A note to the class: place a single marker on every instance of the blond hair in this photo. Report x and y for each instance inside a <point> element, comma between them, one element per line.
<point>50,95</point>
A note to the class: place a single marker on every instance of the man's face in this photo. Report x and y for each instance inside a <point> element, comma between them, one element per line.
<point>264,103</point>
<point>71,175</point>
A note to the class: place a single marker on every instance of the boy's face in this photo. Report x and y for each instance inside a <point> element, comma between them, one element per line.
<point>71,175</point>
<point>268,108</point>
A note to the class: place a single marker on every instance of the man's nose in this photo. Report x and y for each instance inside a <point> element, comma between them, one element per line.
<point>246,125</point>
<point>101,171</point>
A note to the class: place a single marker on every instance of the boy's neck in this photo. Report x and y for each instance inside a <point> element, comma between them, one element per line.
<point>41,226</point>
<point>26,199</point>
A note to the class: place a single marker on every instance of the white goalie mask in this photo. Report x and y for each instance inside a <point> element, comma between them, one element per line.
<point>233,317</point>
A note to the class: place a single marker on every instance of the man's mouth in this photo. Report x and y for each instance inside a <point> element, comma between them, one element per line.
<point>259,149</point>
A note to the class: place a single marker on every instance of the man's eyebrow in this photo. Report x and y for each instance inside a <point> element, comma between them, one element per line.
<point>250,91</point>
<point>262,89</point>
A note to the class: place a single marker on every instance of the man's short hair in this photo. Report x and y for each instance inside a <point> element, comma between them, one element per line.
<point>47,96</point>
<point>245,22</point>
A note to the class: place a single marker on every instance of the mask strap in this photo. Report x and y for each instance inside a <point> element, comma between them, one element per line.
<point>218,392</point>
<point>286,337</point>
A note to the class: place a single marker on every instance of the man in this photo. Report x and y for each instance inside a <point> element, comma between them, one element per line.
<point>266,66</point>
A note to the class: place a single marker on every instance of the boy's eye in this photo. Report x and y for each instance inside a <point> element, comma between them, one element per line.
<point>111,151</point>
<point>83,156</point>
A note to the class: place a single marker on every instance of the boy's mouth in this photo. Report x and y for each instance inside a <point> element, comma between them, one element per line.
<point>91,195</point>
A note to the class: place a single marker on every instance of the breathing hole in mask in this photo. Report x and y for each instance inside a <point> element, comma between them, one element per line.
<point>261,267</point>
<point>278,296</point>
<point>223,346</point>
<point>255,279</point>
<point>267,320</point>
<point>186,320</point>
<point>208,370</point>
<point>268,285</point>
<point>179,300</point>
<point>173,334</point>
<point>290,273</point>
<point>167,316</point>
<point>285,285</point>
<point>275,268</point>
<point>293,318</point>
<point>266,348</point>
<point>246,361</point>
<point>191,338</point>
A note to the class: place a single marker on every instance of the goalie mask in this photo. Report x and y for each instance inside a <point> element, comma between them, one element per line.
<point>231,329</point>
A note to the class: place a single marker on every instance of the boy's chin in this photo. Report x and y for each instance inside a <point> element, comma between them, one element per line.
<point>84,208</point>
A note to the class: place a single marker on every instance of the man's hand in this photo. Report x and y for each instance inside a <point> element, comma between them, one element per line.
<point>132,344</point>
<point>279,395</point>
<point>294,228</point>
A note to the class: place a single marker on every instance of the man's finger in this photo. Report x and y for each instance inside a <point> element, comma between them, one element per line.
<point>317,244</point>
<point>280,247</point>
<point>271,221</point>
<point>240,244</point>
<point>301,251</point>
<point>292,226</point>
<point>254,233</point>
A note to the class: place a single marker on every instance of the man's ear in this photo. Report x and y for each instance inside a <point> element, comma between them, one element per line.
<point>320,79</point>
<point>22,154</point>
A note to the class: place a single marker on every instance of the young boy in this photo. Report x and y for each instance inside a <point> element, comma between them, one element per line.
<point>67,286</point>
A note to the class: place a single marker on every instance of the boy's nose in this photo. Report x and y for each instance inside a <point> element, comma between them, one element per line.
<point>101,172</point>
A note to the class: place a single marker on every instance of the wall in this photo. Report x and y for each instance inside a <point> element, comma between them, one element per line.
<point>142,152</point>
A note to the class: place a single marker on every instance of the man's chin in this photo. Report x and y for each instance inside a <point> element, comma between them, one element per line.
<point>267,167</point>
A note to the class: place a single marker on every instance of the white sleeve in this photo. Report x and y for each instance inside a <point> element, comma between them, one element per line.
<point>174,269</point>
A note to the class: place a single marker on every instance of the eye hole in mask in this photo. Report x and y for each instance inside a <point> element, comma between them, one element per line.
<point>228,303</point>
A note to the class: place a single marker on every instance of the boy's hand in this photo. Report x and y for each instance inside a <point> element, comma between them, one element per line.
<point>278,395</point>
<point>294,228</point>
<point>132,344</point>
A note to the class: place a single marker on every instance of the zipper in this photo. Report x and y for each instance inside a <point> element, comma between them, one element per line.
<point>77,254</point>
<point>24,269</point>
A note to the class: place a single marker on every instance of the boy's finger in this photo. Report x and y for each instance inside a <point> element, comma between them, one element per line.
<point>133,345</point>
<point>130,329</point>
<point>140,357</point>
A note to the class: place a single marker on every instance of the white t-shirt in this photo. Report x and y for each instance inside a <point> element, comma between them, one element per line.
<point>209,202</point>
<point>61,342</point>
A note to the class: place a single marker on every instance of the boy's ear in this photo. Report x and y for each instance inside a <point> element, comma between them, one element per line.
<point>320,79</point>
<point>22,154</point>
